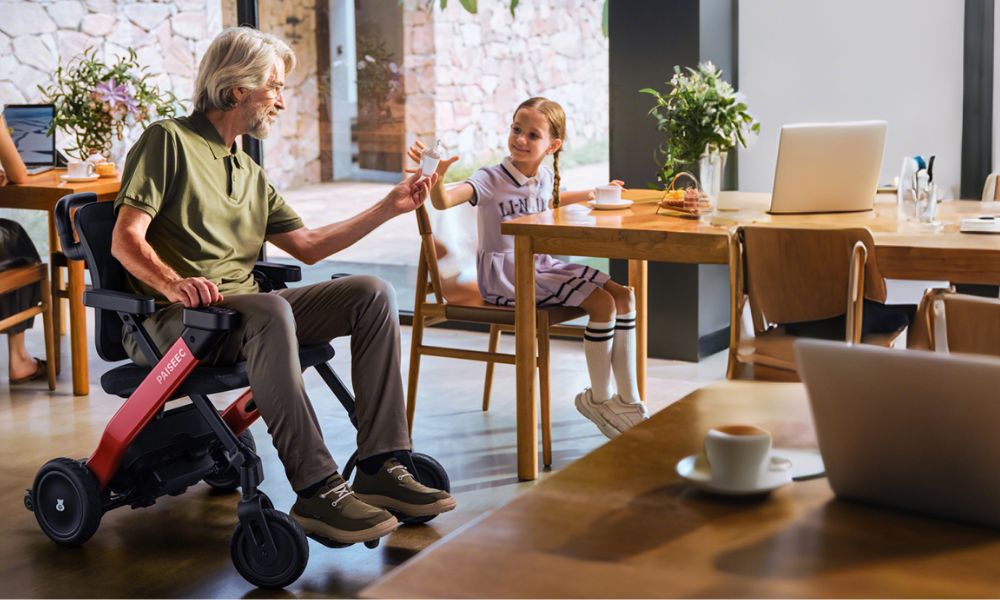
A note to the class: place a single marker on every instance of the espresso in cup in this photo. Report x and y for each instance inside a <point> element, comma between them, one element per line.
<point>80,169</point>
<point>607,194</point>
<point>737,454</point>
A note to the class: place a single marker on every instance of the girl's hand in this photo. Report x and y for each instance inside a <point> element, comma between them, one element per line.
<point>415,152</point>
<point>3,178</point>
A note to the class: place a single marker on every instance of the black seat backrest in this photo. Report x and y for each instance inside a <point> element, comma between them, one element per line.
<point>94,222</point>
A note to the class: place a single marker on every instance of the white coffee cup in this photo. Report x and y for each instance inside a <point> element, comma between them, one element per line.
<point>80,169</point>
<point>737,454</point>
<point>607,194</point>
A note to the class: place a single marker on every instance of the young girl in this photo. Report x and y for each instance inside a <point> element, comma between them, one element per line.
<point>520,185</point>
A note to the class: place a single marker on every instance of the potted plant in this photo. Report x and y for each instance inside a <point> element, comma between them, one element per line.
<point>96,103</point>
<point>703,118</point>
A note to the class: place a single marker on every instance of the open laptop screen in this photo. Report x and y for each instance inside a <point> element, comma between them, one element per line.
<point>29,125</point>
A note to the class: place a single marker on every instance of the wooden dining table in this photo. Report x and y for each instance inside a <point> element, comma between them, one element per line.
<point>638,234</point>
<point>621,523</point>
<point>42,192</point>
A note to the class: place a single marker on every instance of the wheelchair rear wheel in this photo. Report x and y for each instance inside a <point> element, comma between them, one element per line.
<point>430,473</point>
<point>229,480</point>
<point>271,572</point>
<point>66,501</point>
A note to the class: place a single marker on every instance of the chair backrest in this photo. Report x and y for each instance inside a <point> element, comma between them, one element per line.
<point>94,222</point>
<point>950,322</point>
<point>800,274</point>
<point>427,269</point>
<point>429,280</point>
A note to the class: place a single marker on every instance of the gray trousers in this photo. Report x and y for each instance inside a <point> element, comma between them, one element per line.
<point>272,326</point>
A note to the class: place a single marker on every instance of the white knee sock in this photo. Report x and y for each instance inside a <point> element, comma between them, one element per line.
<point>623,357</point>
<point>597,348</point>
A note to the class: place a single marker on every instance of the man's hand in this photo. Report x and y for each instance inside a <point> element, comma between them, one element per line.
<point>409,194</point>
<point>193,292</point>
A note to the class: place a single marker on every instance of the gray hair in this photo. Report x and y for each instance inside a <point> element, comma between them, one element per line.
<point>238,57</point>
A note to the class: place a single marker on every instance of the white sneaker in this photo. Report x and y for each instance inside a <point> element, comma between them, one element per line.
<point>612,417</point>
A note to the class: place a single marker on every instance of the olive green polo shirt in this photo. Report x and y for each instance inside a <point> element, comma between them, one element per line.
<point>211,205</point>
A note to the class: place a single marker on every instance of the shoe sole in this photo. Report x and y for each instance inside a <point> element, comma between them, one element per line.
<point>410,510</point>
<point>343,536</point>
<point>606,428</point>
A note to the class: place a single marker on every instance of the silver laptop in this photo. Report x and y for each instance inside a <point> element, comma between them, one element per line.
<point>907,429</point>
<point>828,167</point>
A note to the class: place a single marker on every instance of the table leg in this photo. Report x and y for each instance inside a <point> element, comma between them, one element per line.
<point>637,276</point>
<point>78,328</point>
<point>525,359</point>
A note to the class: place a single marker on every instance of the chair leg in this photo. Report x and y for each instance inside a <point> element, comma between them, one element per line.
<point>57,322</point>
<point>48,330</point>
<point>416,340</point>
<point>543,385</point>
<point>493,347</point>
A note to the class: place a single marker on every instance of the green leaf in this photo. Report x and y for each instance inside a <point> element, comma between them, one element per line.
<point>513,7</point>
<point>470,5</point>
<point>444,4</point>
<point>604,18</point>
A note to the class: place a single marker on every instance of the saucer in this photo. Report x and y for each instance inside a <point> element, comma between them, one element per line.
<point>69,179</point>
<point>696,471</point>
<point>623,203</point>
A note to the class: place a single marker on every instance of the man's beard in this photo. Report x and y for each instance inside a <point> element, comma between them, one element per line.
<point>258,125</point>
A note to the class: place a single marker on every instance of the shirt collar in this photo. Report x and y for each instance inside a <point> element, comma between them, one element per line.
<point>211,135</point>
<point>518,177</point>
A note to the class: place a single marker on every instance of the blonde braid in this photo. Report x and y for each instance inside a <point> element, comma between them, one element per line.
<point>555,182</point>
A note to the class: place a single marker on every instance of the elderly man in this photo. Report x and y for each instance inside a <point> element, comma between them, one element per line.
<point>194,211</point>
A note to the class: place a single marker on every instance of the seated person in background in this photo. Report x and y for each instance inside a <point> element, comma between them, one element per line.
<point>16,250</point>
<point>522,185</point>
<point>193,213</point>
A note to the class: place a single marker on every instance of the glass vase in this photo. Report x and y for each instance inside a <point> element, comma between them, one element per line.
<point>710,167</point>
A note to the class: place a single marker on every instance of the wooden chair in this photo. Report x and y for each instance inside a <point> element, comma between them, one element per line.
<point>452,303</point>
<point>19,277</point>
<point>794,275</point>
<point>951,322</point>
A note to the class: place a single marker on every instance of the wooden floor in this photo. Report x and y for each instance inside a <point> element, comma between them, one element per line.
<point>179,548</point>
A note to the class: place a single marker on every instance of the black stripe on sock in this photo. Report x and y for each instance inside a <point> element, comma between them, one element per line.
<point>624,327</point>
<point>591,338</point>
<point>625,320</point>
<point>590,329</point>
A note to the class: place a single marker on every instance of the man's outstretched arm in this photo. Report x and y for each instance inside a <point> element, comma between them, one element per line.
<point>313,245</point>
<point>129,246</point>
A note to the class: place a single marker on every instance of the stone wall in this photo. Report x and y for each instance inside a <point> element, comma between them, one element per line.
<point>292,150</point>
<point>169,38</point>
<point>465,74</point>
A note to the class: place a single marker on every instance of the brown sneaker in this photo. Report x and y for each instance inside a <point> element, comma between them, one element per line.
<point>336,513</point>
<point>392,487</point>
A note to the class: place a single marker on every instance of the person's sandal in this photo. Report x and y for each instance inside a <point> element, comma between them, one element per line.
<point>41,370</point>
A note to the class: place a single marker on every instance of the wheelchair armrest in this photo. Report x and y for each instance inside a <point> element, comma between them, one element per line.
<point>119,302</point>
<point>278,272</point>
<point>211,318</point>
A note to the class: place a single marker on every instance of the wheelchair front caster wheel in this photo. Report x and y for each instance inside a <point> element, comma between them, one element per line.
<point>66,501</point>
<point>271,570</point>
<point>371,544</point>
<point>430,473</point>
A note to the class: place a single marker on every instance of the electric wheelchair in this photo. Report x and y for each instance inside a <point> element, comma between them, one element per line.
<point>148,450</point>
